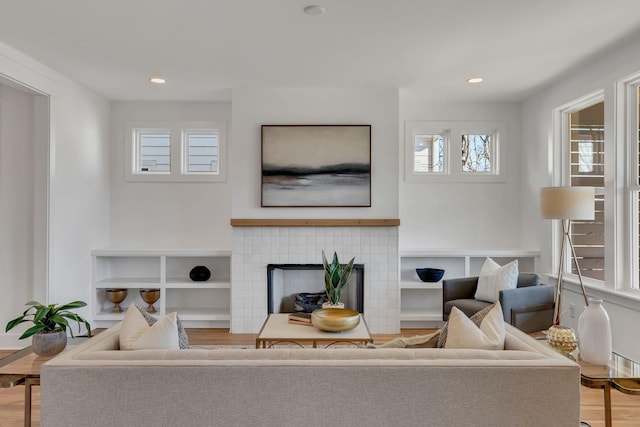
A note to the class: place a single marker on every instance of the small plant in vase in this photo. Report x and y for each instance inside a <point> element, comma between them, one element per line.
<point>50,323</point>
<point>336,278</point>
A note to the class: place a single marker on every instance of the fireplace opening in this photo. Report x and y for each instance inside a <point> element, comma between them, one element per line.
<point>287,281</point>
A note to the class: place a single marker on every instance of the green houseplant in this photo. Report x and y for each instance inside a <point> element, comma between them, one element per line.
<point>336,277</point>
<point>50,324</point>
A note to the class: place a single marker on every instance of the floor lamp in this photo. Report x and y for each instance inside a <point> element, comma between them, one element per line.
<point>567,204</point>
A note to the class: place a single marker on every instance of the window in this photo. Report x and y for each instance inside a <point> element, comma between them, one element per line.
<point>202,149</point>
<point>632,89</point>
<point>586,166</point>
<point>428,150</point>
<point>429,146</point>
<point>153,150</point>
<point>477,152</point>
<point>176,151</point>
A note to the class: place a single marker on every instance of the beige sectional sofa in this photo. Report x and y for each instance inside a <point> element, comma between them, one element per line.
<point>95,385</point>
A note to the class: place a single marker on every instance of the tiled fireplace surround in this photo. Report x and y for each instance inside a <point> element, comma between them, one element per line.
<point>255,247</point>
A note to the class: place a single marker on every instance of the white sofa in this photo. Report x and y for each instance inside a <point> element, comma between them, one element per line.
<point>96,385</point>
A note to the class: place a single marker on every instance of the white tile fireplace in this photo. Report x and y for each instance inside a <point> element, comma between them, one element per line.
<point>254,247</point>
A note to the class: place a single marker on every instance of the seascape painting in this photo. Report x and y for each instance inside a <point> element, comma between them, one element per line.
<point>316,165</point>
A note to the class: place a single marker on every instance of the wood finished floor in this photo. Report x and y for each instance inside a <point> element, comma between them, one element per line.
<point>625,408</point>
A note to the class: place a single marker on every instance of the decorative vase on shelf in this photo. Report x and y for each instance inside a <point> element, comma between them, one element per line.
<point>594,334</point>
<point>200,273</point>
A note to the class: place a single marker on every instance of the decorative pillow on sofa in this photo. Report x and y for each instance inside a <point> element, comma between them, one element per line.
<point>183,338</point>
<point>493,279</point>
<point>136,334</point>
<point>476,319</point>
<point>463,333</point>
<point>419,341</point>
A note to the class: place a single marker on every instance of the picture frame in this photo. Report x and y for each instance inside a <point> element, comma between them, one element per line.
<point>316,166</point>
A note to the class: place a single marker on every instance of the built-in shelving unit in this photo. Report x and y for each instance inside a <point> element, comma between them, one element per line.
<point>421,302</point>
<point>199,304</point>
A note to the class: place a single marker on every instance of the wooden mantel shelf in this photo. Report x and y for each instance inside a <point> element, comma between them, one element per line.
<point>383,222</point>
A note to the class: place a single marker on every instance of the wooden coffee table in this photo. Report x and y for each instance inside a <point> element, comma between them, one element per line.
<point>277,329</point>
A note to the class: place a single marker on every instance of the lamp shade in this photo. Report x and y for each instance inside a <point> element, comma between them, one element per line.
<point>574,203</point>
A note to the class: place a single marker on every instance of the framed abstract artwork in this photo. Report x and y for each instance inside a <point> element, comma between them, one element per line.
<point>316,165</point>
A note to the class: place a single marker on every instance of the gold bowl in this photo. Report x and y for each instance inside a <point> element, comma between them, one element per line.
<point>150,296</point>
<point>116,296</point>
<point>335,319</point>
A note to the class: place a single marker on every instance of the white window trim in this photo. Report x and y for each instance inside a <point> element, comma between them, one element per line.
<point>627,140</point>
<point>177,174</point>
<point>452,161</point>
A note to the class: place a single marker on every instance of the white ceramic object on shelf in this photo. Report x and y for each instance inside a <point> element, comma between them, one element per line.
<point>594,334</point>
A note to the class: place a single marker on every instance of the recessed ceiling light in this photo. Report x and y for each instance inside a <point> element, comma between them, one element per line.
<point>475,80</point>
<point>157,80</point>
<point>314,10</point>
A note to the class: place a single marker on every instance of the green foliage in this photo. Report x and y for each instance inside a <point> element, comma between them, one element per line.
<point>49,318</point>
<point>336,277</point>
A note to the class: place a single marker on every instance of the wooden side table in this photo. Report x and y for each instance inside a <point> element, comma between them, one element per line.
<point>22,367</point>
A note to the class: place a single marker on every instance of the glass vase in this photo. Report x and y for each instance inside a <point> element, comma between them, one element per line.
<point>594,334</point>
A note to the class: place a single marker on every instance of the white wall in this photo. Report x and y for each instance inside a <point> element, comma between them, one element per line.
<point>537,148</point>
<point>437,215</point>
<point>254,107</point>
<point>168,215</point>
<point>78,185</point>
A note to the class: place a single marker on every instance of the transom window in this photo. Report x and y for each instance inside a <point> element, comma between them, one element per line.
<point>176,151</point>
<point>153,150</point>
<point>202,151</point>
<point>428,153</point>
<point>429,147</point>
<point>477,152</point>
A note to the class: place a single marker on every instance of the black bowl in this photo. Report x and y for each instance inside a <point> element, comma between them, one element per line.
<point>200,273</point>
<point>430,274</point>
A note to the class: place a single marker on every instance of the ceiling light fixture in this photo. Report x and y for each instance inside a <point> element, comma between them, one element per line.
<point>475,80</point>
<point>157,80</point>
<point>314,10</point>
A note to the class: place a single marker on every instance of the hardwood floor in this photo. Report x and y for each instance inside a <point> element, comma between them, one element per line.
<point>625,408</point>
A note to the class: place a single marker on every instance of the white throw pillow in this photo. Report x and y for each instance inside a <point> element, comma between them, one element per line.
<point>493,279</point>
<point>464,334</point>
<point>136,334</point>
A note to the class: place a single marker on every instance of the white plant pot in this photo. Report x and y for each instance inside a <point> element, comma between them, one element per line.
<point>331,305</point>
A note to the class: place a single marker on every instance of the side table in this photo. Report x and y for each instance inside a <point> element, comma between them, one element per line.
<point>621,373</point>
<point>23,367</point>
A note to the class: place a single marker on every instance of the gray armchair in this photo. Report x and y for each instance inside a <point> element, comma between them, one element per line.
<point>529,306</point>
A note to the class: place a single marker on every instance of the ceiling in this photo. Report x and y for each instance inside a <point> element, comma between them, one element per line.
<point>204,48</point>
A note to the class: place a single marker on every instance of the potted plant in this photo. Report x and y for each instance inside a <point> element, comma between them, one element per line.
<point>50,323</point>
<point>336,278</point>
